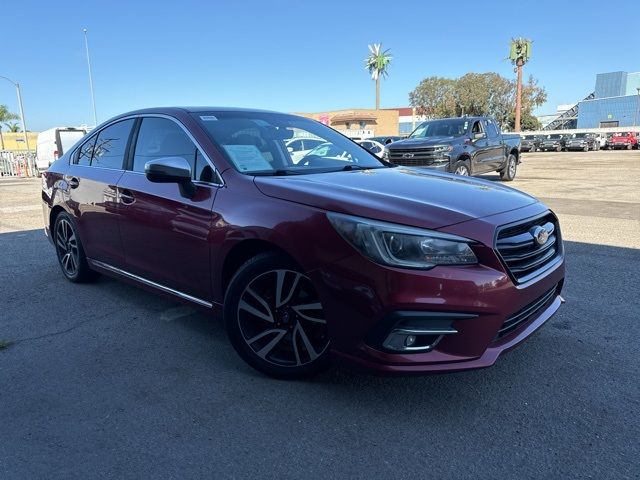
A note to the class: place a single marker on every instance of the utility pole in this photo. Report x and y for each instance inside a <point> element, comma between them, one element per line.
<point>24,125</point>
<point>93,98</point>
<point>519,55</point>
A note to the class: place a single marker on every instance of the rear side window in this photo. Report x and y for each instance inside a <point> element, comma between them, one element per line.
<point>111,145</point>
<point>492,131</point>
<point>159,138</point>
<point>83,154</point>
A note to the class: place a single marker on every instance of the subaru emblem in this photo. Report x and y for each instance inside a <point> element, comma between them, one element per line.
<point>540,235</point>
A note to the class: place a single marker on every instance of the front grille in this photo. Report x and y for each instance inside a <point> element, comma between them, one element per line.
<point>521,254</point>
<point>418,157</point>
<point>527,313</point>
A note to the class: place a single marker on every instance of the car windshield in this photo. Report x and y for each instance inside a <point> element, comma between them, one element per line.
<point>265,143</point>
<point>580,135</point>
<point>528,137</point>
<point>555,137</point>
<point>450,127</point>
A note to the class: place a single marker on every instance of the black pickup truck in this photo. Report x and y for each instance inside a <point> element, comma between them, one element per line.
<point>465,146</point>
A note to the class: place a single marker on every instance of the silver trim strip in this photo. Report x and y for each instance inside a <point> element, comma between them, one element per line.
<point>150,283</point>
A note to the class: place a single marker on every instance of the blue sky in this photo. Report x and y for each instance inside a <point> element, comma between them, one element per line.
<point>293,55</point>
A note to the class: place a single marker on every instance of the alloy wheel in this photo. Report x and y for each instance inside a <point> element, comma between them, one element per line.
<point>462,170</point>
<point>67,247</point>
<point>512,168</point>
<point>281,319</point>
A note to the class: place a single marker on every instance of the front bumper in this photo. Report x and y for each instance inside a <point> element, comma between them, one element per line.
<point>359,296</point>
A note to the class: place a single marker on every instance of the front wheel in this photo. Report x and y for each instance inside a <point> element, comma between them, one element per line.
<point>275,320</point>
<point>461,168</point>
<point>509,171</point>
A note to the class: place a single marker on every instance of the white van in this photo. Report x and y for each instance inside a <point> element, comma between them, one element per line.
<point>54,142</point>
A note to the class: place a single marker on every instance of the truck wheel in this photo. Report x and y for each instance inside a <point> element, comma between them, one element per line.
<point>461,168</point>
<point>509,171</point>
<point>558,149</point>
<point>585,149</point>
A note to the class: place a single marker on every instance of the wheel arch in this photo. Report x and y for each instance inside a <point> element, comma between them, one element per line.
<point>242,252</point>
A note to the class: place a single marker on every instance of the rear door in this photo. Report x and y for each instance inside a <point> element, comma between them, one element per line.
<point>96,166</point>
<point>495,146</point>
<point>165,235</point>
<point>482,155</point>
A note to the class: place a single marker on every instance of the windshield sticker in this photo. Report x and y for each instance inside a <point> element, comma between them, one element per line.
<point>247,158</point>
<point>208,118</point>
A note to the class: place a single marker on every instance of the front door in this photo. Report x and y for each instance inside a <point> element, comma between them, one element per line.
<point>96,166</point>
<point>165,234</point>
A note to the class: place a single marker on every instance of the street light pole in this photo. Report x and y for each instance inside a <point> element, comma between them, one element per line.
<point>93,99</point>
<point>24,125</point>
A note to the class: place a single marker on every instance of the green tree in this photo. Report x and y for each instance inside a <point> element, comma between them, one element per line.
<point>377,63</point>
<point>528,121</point>
<point>487,94</point>
<point>5,116</point>
<point>13,127</point>
<point>435,97</point>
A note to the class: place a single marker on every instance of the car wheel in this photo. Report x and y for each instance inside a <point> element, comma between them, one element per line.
<point>275,320</point>
<point>461,168</point>
<point>558,149</point>
<point>629,147</point>
<point>509,171</point>
<point>71,256</point>
<point>585,149</point>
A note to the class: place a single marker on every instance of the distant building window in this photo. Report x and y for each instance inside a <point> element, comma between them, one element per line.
<point>609,124</point>
<point>362,124</point>
<point>348,125</point>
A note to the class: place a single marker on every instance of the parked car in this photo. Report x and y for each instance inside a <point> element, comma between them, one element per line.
<point>299,147</point>
<point>602,141</point>
<point>390,269</point>
<point>53,143</point>
<point>582,141</point>
<point>554,142</point>
<point>386,140</point>
<point>374,147</point>
<point>530,143</point>
<point>627,140</point>
<point>464,146</point>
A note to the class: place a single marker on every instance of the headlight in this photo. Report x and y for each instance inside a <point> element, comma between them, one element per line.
<point>401,246</point>
<point>385,155</point>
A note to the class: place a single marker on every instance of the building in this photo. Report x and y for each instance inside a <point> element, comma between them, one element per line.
<point>14,142</point>
<point>408,120</point>
<point>360,123</point>
<point>547,118</point>
<point>615,102</point>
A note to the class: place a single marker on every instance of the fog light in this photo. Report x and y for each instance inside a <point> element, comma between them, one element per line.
<point>410,340</point>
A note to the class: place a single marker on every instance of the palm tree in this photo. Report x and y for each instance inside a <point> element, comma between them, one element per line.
<point>13,127</point>
<point>5,116</point>
<point>377,63</point>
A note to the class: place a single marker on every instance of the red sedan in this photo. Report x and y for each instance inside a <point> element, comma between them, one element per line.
<point>336,255</point>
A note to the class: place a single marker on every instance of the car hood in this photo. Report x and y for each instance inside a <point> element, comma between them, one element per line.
<point>417,197</point>
<point>420,142</point>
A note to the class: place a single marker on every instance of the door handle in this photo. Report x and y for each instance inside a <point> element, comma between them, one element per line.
<point>127,197</point>
<point>73,182</point>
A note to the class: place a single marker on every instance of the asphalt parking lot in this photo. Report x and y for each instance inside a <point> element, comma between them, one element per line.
<point>109,381</point>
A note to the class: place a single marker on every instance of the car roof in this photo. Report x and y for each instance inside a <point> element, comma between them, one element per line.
<point>195,109</point>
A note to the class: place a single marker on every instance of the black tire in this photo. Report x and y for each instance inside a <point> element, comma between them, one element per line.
<point>508,173</point>
<point>69,250</point>
<point>461,167</point>
<point>270,334</point>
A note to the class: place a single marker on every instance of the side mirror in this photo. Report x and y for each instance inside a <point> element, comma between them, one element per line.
<point>171,170</point>
<point>479,136</point>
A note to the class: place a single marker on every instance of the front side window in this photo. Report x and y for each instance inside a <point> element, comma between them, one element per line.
<point>161,138</point>
<point>111,145</point>
<point>262,143</point>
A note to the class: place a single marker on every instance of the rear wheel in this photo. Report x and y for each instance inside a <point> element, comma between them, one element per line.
<point>275,320</point>
<point>509,171</point>
<point>71,257</point>
<point>585,149</point>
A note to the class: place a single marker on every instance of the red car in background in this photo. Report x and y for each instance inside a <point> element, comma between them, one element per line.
<point>626,140</point>
<point>338,255</point>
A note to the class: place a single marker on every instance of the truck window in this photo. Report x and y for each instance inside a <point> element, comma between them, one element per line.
<point>492,131</point>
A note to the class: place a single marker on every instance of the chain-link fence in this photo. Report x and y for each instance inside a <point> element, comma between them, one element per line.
<point>17,164</point>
